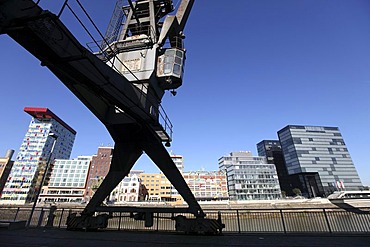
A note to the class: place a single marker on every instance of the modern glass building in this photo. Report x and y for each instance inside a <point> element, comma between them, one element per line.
<point>319,157</point>
<point>67,181</point>
<point>250,177</point>
<point>46,133</point>
<point>271,150</point>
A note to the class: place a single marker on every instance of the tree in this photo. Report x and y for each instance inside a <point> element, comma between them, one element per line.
<point>283,194</point>
<point>297,192</point>
<point>95,184</point>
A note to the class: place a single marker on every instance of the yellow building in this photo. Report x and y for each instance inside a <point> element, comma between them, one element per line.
<point>160,189</point>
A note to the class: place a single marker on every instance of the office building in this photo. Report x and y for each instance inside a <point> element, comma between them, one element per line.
<point>250,177</point>
<point>67,181</point>
<point>6,165</point>
<point>47,138</point>
<point>319,159</point>
<point>271,150</point>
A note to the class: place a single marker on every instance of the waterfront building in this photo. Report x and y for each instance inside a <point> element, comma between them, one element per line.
<point>179,161</point>
<point>207,185</point>
<point>67,181</point>
<point>99,168</point>
<point>271,150</point>
<point>6,165</point>
<point>319,158</point>
<point>130,189</point>
<point>160,188</point>
<point>250,177</point>
<point>48,137</point>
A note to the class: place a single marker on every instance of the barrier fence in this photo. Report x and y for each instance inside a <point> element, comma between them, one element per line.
<point>285,221</point>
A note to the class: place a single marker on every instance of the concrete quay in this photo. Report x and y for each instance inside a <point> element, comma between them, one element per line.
<point>43,237</point>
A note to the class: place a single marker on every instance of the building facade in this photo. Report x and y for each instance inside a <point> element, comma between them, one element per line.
<point>319,158</point>
<point>130,189</point>
<point>250,177</point>
<point>6,165</point>
<point>99,168</point>
<point>208,185</point>
<point>47,138</point>
<point>271,150</point>
<point>67,181</point>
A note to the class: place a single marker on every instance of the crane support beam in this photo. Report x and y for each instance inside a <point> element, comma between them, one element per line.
<point>119,104</point>
<point>174,25</point>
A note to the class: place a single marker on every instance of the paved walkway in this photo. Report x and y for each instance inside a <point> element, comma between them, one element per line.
<point>40,237</point>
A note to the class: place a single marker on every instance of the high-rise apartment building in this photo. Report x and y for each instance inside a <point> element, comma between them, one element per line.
<point>47,138</point>
<point>250,177</point>
<point>67,181</point>
<point>318,156</point>
<point>6,165</point>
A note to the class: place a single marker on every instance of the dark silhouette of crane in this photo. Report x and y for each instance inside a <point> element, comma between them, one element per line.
<point>122,84</point>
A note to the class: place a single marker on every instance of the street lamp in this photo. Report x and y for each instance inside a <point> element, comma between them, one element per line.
<point>55,137</point>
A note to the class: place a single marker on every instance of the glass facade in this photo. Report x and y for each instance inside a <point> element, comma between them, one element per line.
<point>249,177</point>
<point>67,181</point>
<point>25,176</point>
<point>322,150</point>
<point>271,149</point>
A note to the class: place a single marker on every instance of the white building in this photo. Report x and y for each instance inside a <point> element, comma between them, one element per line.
<point>130,189</point>
<point>68,181</point>
<point>250,177</point>
<point>46,133</point>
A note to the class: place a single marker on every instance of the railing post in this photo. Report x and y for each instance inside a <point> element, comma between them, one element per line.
<point>16,214</point>
<point>119,221</point>
<point>282,220</point>
<point>41,217</point>
<point>62,9</point>
<point>157,222</point>
<point>61,217</point>
<point>327,220</point>
<point>237,215</point>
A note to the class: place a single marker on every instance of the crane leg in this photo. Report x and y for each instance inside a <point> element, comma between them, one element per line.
<point>124,157</point>
<point>162,159</point>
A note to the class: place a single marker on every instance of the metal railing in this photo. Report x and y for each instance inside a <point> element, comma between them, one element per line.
<point>283,221</point>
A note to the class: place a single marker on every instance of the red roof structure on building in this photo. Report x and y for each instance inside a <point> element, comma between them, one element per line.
<point>42,112</point>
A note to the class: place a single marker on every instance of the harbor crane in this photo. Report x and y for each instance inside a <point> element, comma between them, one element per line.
<point>140,57</point>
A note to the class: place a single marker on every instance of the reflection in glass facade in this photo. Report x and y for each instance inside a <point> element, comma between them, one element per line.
<point>322,150</point>
<point>249,177</point>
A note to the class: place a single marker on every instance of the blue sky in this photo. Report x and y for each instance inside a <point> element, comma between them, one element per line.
<point>253,67</point>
